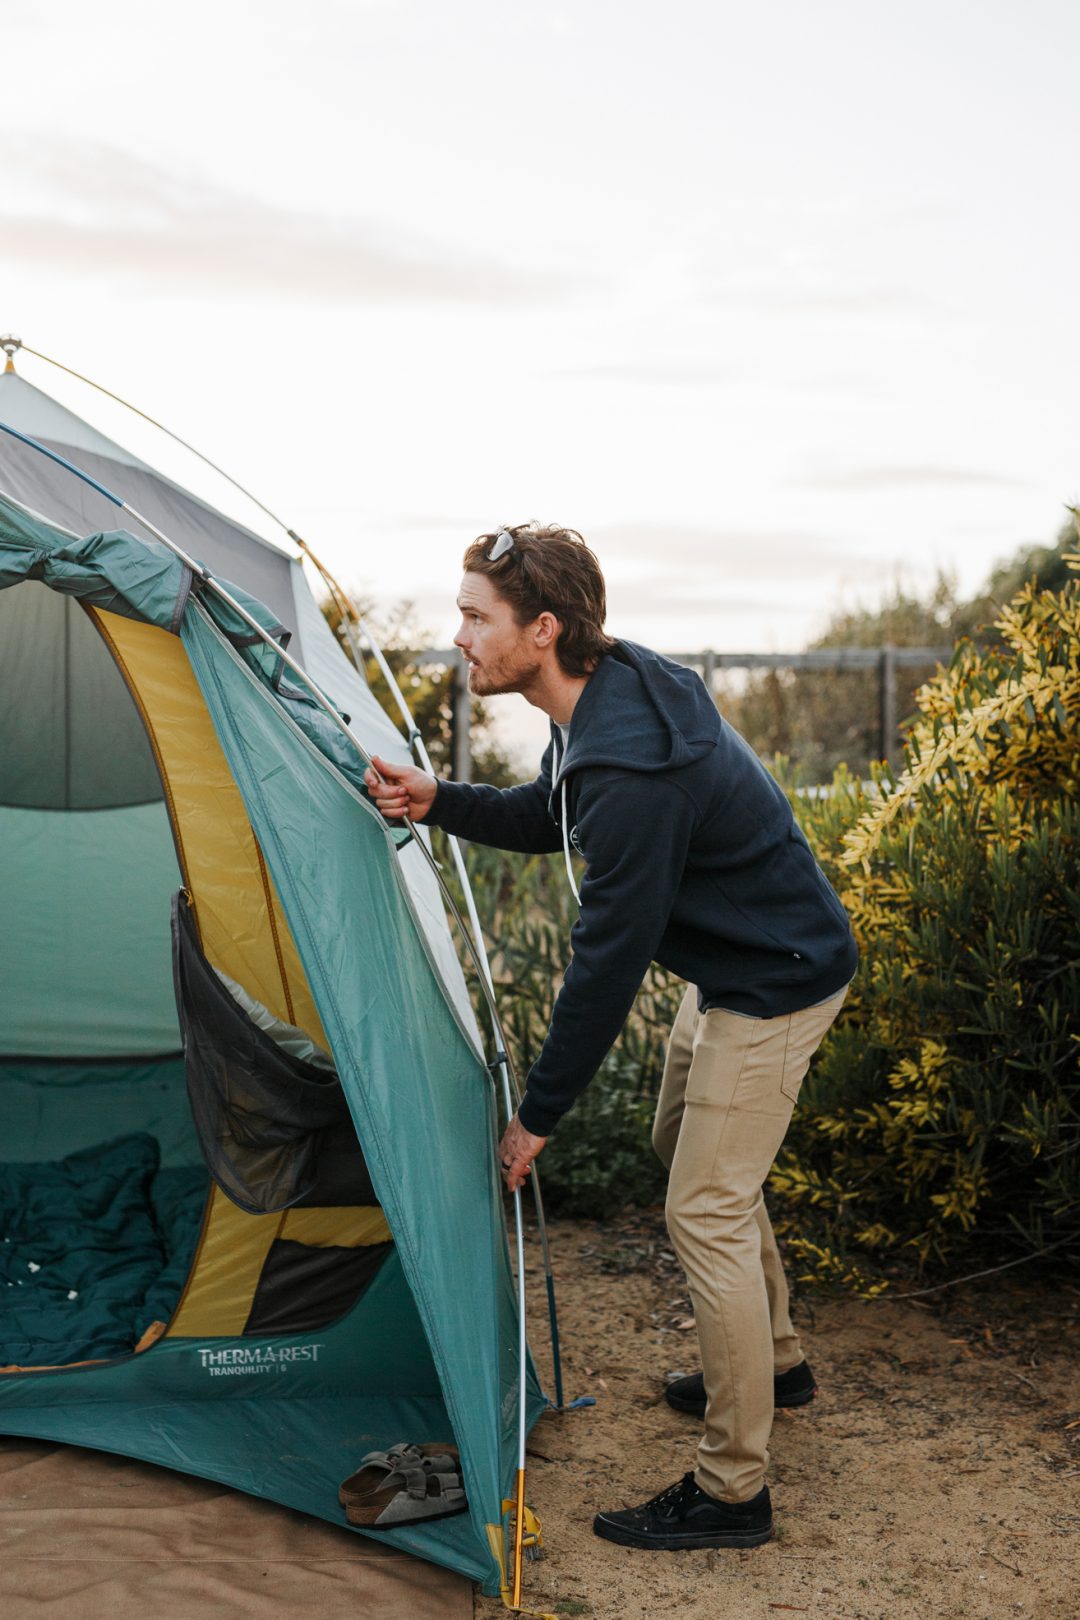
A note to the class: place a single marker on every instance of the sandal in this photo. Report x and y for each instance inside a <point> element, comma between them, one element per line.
<point>409,1493</point>
<point>376,1468</point>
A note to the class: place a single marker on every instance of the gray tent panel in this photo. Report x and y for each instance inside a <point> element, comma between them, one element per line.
<point>226,548</point>
<point>70,736</point>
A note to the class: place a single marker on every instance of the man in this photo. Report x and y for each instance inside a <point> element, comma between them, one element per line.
<point>692,858</point>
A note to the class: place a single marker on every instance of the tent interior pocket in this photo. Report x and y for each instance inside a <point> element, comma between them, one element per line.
<point>272,1119</point>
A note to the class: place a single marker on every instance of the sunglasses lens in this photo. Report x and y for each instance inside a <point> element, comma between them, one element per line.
<point>503,543</point>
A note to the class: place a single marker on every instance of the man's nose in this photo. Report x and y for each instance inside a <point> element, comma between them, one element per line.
<point>462,638</point>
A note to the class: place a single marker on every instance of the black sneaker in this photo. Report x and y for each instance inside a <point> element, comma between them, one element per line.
<point>685,1516</point>
<point>796,1387</point>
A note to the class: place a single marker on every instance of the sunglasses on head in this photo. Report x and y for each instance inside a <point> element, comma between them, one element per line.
<point>503,542</point>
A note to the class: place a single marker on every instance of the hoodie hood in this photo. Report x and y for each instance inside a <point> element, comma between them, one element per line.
<point>676,724</point>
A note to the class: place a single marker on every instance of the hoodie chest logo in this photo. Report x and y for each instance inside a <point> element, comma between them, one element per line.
<point>575,840</point>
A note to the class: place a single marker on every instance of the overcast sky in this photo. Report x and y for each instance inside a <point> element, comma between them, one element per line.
<point>775,303</point>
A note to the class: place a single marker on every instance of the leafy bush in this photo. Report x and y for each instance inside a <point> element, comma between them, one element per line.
<point>941,1122</point>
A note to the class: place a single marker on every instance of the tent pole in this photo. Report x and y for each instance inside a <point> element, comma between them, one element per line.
<point>342,725</point>
<point>419,747</point>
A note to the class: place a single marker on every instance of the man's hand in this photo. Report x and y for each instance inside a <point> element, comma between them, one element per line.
<point>403,791</point>
<point>517,1150</point>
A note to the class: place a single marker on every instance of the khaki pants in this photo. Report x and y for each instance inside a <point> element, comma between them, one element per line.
<point>729,1087</point>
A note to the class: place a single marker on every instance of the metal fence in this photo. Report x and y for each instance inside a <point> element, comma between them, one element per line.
<point>884,661</point>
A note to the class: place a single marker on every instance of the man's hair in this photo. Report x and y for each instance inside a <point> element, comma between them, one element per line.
<point>552,570</point>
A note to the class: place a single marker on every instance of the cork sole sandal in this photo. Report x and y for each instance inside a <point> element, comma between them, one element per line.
<point>407,1495</point>
<point>377,1466</point>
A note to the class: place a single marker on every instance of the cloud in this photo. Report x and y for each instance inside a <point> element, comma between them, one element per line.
<point>664,373</point>
<point>846,303</point>
<point>815,291</point>
<point>96,210</point>
<point>717,598</point>
<point>900,478</point>
<point>740,554</point>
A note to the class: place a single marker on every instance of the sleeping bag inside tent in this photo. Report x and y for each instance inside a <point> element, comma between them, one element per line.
<point>252,1227</point>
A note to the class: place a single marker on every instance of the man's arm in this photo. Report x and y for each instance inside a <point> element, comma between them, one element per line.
<point>509,818</point>
<point>637,832</point>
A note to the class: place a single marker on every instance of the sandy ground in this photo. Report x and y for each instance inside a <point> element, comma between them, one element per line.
<point>937,1474</point>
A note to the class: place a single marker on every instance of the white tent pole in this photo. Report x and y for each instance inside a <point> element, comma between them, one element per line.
<point>342,725</point>
<point>511,1091</point>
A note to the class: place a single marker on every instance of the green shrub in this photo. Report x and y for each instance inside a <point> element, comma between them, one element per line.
<point>941,1121</point>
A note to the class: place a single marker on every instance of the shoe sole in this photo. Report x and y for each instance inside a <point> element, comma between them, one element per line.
<point>627,1538</point>
<point>356,1516</point>
<point>697,1408</point>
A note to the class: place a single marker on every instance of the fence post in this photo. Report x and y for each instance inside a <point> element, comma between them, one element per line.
<point>887,676</point>
<point>461,765</point>
<point>708,671</point>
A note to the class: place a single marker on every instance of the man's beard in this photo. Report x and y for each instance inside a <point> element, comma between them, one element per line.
<point>504,676</point>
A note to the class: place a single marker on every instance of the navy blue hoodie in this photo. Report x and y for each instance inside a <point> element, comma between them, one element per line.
<point>693,859</point>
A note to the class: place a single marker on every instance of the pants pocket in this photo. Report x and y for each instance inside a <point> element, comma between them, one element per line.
<point>796,1063</point>
<point>806,1032</point>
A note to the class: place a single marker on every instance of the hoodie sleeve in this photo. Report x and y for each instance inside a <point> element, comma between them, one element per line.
<point>510,818</point>
<point>637,830</point>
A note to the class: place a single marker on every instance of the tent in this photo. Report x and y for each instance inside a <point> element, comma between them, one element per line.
<point>156,756</point>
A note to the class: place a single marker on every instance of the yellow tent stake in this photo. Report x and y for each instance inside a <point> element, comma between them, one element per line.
<point>519,1535</point>
<point>531,1537</point>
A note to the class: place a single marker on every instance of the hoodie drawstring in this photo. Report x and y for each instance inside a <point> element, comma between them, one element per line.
<point>565,830</point>
<point>566,848</point>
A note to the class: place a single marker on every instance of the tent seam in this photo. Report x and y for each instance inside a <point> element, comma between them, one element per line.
<point>274,933</point>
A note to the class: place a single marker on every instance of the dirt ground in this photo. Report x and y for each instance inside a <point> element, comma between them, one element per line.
<point>937,1474</point>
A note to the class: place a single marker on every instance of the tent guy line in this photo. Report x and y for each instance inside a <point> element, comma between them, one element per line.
<point>503,1055</point>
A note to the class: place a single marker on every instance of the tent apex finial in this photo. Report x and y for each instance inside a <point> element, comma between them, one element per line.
<point>9,344</point>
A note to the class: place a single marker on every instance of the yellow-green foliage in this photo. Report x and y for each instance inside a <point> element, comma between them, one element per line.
<point>942,1117</point>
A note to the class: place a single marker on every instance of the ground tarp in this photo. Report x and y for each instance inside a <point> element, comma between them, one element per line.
<point>105,1538</point>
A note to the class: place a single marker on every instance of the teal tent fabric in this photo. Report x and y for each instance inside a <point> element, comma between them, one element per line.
<point>70,736</point>
<point>422,1101</point>
<point>141,581</point>
<point>84,944</point>
<point>52,1107</point>
<point>286,1419</point>
<point>431,1348</point>
<point>273,589</point>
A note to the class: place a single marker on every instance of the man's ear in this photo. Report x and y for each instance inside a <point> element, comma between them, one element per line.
<point>546,631</point>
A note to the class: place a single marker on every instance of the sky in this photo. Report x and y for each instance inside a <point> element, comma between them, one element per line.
<point>776,304</point>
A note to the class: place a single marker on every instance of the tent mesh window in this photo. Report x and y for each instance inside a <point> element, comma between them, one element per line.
<point>275,1129</point>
